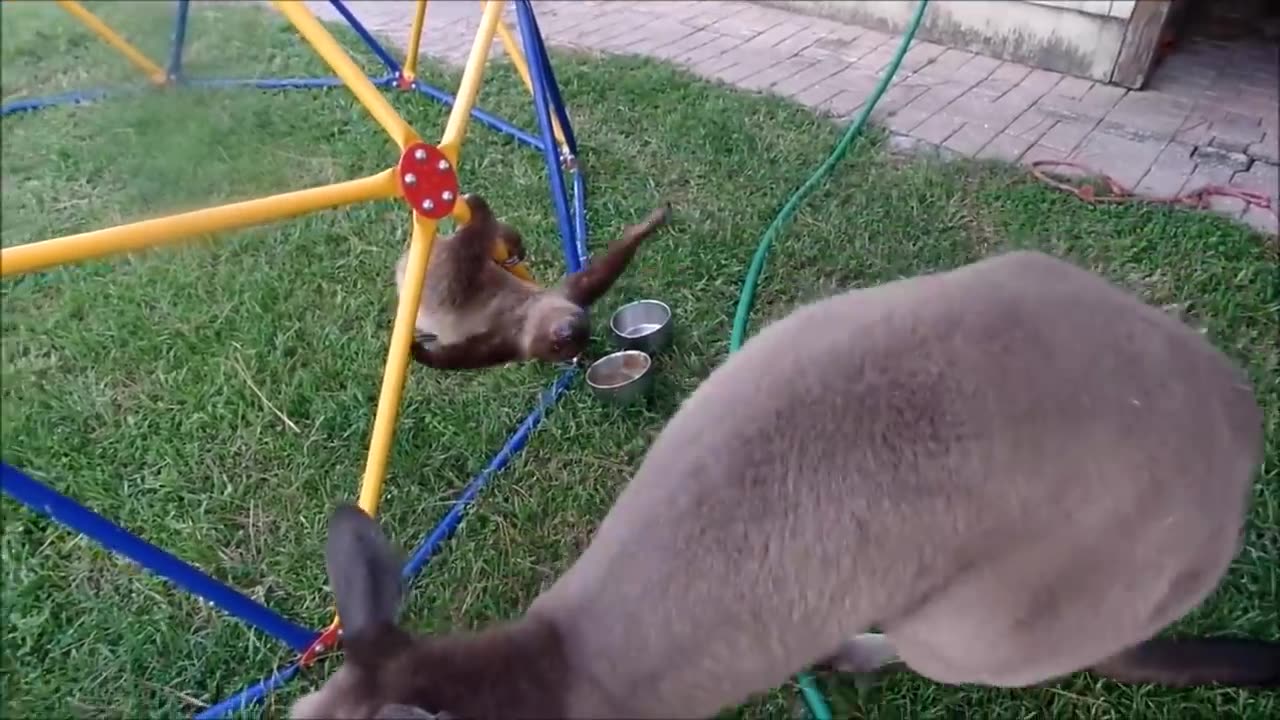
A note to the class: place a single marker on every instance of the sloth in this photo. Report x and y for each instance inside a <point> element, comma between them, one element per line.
<point>474,314</point>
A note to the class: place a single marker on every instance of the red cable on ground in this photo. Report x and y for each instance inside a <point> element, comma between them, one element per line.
<point>1197,198</point>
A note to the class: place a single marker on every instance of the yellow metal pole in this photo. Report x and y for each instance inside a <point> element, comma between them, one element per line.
<point>410,67</point>
<point>345,68</point>
<point>147,233</point>
<point>384,420</point>
<point>102,30</point>
<point>514,52</point>
<point>469,87</point>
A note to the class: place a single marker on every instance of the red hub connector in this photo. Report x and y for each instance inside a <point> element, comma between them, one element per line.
<point>327,641</point>
<point>428,181</point>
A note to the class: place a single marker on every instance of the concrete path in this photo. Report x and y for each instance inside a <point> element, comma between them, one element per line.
<point>1208,117</point>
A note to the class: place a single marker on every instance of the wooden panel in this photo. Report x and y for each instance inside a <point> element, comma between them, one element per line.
<point>1141,37</point>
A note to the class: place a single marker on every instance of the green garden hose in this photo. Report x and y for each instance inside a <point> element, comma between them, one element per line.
<point>813,697</point>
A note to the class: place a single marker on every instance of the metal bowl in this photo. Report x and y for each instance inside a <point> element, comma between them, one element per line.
<point>621,377</point>
<point>646,325</point>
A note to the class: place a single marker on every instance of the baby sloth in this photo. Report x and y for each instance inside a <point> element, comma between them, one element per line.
<point>474,314</point>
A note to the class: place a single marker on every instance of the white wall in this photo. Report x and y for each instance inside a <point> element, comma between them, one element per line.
<point>1076,37</point>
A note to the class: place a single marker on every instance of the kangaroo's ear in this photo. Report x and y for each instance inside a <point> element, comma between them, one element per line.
<point>364,571</point>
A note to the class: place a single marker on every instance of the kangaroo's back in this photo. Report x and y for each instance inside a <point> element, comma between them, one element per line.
<point>1015,469</point>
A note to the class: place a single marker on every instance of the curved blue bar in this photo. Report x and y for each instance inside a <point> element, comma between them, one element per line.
<point>179,39</point>
<point>365,35</point>
<point>45,500</point>
<point>550,148</point>
<point>489,119</point>
<point>251,695</point>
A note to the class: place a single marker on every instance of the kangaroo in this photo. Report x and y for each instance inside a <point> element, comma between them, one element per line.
<point>1014,470</point>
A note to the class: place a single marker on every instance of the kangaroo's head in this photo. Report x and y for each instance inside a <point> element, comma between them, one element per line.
<point>515,669</point>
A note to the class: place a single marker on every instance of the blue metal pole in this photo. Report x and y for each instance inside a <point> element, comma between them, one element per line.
<point>83,96</point>
<point>179,40</point>
<point>283,83</point>
<point>366,36</point>
<point>444,529</point>
<point>45,500</point>
<point>550,149</point>
<point>580,213</point>
<point>553,87</point>
<point>488,119</point>
<point>251,695</point>
<point>68,98</point>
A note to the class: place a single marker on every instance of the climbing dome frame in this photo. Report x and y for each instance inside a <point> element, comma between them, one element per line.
<point>424,176</point>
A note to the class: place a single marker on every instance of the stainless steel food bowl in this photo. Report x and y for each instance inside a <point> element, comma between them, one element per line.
<point>621,377</point>
<point>646,325</point>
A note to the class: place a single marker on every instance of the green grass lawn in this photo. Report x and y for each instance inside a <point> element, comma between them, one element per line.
<point>139,385</point>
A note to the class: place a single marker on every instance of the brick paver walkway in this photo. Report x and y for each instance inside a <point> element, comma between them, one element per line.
<point>1209,115</point>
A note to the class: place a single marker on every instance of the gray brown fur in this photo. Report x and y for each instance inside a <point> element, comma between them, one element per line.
<point>474,314</point>
<point>1015,470</point>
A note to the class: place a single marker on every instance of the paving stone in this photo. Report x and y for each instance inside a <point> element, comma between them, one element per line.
<point>973,105</point>
<point>903,121</point>
<point>844,103</point>
<point>1064,108</point>
<point>951,59</point>
<point>1041,81</point>
<point>877,61</point>
<point>1225,158</point>
<point>820,70</point>
<point>1123,159</point>
<point>978,69</point>
<point>1268,149</point>
<point>920,54</point>
<point>1072,87</point>
<point>816,94</point>
<point>898,96</point>
<point>853,82</point>
<point>1261,219</point>
<point>776,73</point>
<point>685,46</point>
<point>799,42</point>
<point>970,138</point>
<point>1260,177</point>
<point>1015,102</point>
<point>862,45</point>
<point>1031,125</point>
<point>1010,72</point>
<point>714,47</point>
<point>1037,153</point>
<point>1161,183</point>
<point>750,63</point>
<point>937,128</point>
<point>1207,174</point>
<point>1066,135</point>
<point>1194,130</point>
<point>1235,135</point>
<point>1103,96</point>
<point>713,64</point>
<point>748,22</point>
<point>938,97</point>
<point>1005,147</point>
<point>659,34</point>
<point>1169,172</point>
<point>1151,112</point>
